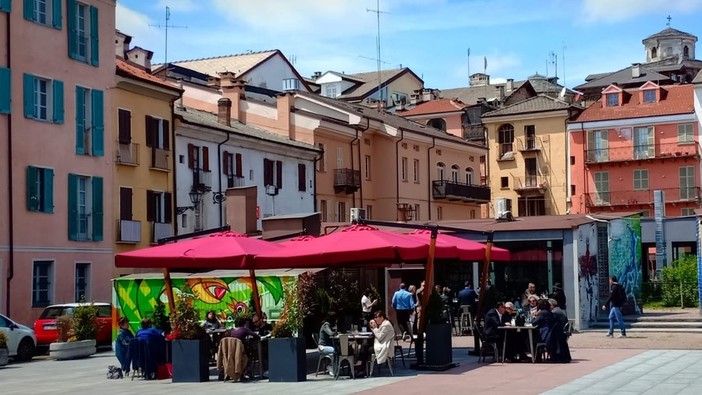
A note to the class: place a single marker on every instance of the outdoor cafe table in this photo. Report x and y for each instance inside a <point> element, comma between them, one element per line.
<point>356,338</point>
<point>517,329</point>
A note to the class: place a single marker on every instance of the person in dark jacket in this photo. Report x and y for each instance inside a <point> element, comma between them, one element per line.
<point>122,345</point>
<point>559,295</point>
<point>617,297</point>
<point>544,320</point>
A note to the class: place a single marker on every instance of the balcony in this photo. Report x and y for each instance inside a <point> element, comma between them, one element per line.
<point>444,189</point>
<point>202,180</point>
<point>642,152</point>
<point>129,231</point>
<point>161,230</point>
<point>529,144</point>
<point>128,154</point>
<point>234,182</point>
<point>642,197</point>
<point>530,184</point>
<point>505,152</point>
<point>159,159</point>
<point>347,180</point>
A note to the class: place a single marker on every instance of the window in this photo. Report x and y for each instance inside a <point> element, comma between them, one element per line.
<point>367,162</point>
<point>640,179</point>
<point>644,143</point>
<point>82,290</point>
<point>530,135</point>
<point>472,214</point>
<point>125,203</point>
<point>322,162</point>
<point>686,51</point>
<point>597,146</point>
<point>505,138</point>
<point>454,174</point>
<point>469,176</point>
<point>416,212</point>
<point>90,126</point>
<point>159,207</point>
<point>5,89</point>
<point>687,183</point>
<point>403,169</point>
<point>272,173</point>
<point>198,158</point>
<point>42,290</point>
<point>43,12</point>
<point>85,208</point>
<point>572,190</point>
<point>369,212</point>
<point>612,99</point>
<point>40,189</point>
<point>415,170</point>
<point>124,126</point>
<point>572,160</point>
<point>43,99</point>
<point>301,177</point>
<point>601,187</point>
<point>686,133</point>
<point>341,212</point>
<point>654,53</point>
<point>339,158</point>
<point>437,123</point>
<point>440,171</point>
<point>687,211</point>
<point>504,182</point>
<point>323,210</point>
<point>83,32</point>
<point>157,133</point>
<point>649,96</point>
<point>330,91</point>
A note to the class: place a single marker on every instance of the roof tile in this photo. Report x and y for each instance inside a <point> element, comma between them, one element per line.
<point>434,107</point>
<point>128,70</point>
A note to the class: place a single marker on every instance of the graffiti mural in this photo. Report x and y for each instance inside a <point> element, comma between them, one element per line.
<point>625,257</point>
<point>136,298</point>
<point>587,271</point>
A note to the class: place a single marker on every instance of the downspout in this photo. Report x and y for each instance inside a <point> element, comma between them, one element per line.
<point>586,184</point>
<point>397,172</point>
<point>359,158</point>
<point>355,139</point>
<point>314,181</point>
<point>219,176</point>
<point>10,216</point>
<point>431,183</point>
<point>173,159</point>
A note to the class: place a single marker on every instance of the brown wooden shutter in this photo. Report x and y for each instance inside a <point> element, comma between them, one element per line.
<point>125,126</point>
<point>205,159</point>
<point>301,177</point>
<point>225,162</point>
<point>150,206</point>
<point>279,174</point>
<point>150,132</point>
<point>125,203</point>
<point>166,135</point>
<point>191,156</point>
<point>239,168</point>
<point>168,207</point>
<point>267,172</point>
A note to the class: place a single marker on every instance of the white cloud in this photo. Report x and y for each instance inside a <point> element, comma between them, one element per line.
<point>620,10</point>
<point>176,5</point>
<point>131,22</point>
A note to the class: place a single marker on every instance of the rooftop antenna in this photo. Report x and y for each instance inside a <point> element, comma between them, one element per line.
<point>563,64</point>
<point>165,28</point>
<point>377,12</point>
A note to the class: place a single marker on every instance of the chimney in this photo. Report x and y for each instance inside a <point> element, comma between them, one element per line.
<point>232,89</point>
<point>122,42</point>
<point>284,102</point>
<point>316,75</point>
<point>224,111</point>
<point>635,70</point>
<point>426,95</point>
<point>140,57</point>
<point>509,86</point>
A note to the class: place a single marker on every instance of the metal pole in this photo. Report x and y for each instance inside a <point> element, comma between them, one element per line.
<point>428,289</point>
<point>169,290</point>
<point>254,289</point>
<point>483,292</point>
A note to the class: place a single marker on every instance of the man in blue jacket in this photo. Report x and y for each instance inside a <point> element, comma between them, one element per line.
<point>403,303</point>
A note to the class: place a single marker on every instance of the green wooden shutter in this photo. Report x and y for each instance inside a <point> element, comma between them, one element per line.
<point>56,17</point>
<point>48,198</point>
<point>98,128</point>
<point>57,90</point>
<point>80,120</point>
<point>29,10</point>
<point>29,87</point>
<point>97,209</point>
<point>72,207</point>
<point>5,90</point>
<point>6,5</point>
<point>71,28</point>
<point>94,37</point>
<point>32,192</point>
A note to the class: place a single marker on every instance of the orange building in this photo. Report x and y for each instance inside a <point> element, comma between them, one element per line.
<point>632,142</point>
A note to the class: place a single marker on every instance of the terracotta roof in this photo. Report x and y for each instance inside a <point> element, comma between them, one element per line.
<point>434,107</point>
<point>668,32</point>
<point>623,77</point>
<point>126,69</point>
<point>370,82</point>
<point>471,94</point>
<point>675,99</point>
<point>541,103</point>
<point>237,63</point>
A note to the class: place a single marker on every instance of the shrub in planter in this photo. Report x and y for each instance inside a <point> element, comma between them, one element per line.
<point>4,351</point>
<point>76,333</point>
<point>287,360</point>
<point>160,319</point>
<point>190,353</point>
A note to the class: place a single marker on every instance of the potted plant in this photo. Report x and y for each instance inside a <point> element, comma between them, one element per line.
<point>287,360</point>
<point>160,319</point>
<point>77,333</point>
<point>438,334</point>
<point>190,353</point>
<point>4,351</point>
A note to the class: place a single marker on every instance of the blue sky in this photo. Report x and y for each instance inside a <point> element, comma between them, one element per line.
<point>517,37</point>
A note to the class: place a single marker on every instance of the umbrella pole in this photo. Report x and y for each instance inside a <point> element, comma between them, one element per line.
<point>254,288</point>
<point>483,292</point>
<point>169,290</point>
<point>428,289</point>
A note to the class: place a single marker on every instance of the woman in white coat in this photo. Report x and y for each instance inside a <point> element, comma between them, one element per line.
<point>384,333</point>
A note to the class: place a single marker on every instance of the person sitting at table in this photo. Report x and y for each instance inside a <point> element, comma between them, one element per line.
<point>544,321</point>
<point>558,312</point>
<point>384,333</point>
<point>211,321</point>
<point>155,344</point>
<point>530,291</point>
<point>532,307</point>
<point>325,344</point>
<point>260,325</point>
<point>241,330</point>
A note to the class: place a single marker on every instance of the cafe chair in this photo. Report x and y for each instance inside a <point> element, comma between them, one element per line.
<point>568,329</point>
<point>465,321</point>
<point>413,340</point>
<point>345,356</point>
<point>328,357</point>
<point>398,348</point>
<point>541,352</point>
<point>485,343</point>
<point>373,362</point>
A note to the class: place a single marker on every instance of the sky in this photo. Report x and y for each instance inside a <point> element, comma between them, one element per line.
<point>514,38</point>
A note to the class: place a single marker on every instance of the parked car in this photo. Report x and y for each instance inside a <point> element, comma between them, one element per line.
<point>22,341</point>
<point>45,325</point>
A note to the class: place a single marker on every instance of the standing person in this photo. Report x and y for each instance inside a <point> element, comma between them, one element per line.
<point>403,303</point>
<point>367,306</point>
<point>122,345</point>
<point>617,297</point>
<point>559,295</point>
<point>531,290</point>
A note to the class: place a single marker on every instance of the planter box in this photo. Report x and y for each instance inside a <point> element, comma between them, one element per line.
<point>190,361</point>
<point>287,359</point>
<point>4,356</point>
<point>72,350</point>
<point>439,350</point>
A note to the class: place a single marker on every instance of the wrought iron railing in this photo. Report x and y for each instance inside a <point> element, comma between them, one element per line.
<point>444,189</point>
<point>641,152</point>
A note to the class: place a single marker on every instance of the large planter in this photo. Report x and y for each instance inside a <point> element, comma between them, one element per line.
<point>4,356</point>
<point>190,360</point>
<point>72,350</point>
<point>439,349</point>
<point>287,359</point>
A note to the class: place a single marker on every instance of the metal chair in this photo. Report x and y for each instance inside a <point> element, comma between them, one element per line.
<point>322,357</point>
<point>465,319</point>
<point>398,348</point>
<point>484,342</point>
<point>345,356</point>
<point>373,362</point>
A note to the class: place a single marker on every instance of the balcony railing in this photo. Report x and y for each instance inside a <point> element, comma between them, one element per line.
<point>202,180</point>
<point>347,180</point>
<point>159,159</point>
<point>162,230</point>
<point>533,183</point>
<point>641,152</point>
<point>129,231</point>
<point>505,151</point>
<point>234,182</point>
<point>642,197</point>
<point>531,143</point>
<point>444,189</point>
<point>128,154</point>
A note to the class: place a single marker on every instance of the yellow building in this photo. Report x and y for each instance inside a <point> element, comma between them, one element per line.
<point>527,162</point>
<point>143,135</point>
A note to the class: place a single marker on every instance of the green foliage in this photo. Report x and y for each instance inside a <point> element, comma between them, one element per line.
<point>651,292</point>
<point>245,314</point>
<point>186,320</point>
<point>434,309</point>
<point>290,322</point>
<point>160,319</point>
<point>3,341</point>
<point>680,278</point>
<point>344,293</point>
<point>85,326</point>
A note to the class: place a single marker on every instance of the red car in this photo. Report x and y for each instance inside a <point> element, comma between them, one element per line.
<point>45,325</point>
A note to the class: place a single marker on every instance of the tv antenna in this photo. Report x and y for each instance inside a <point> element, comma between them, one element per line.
<point>377,12</point>
<point>165,27</point>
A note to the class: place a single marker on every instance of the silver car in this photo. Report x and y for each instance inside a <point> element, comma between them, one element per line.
<point>21,340</point>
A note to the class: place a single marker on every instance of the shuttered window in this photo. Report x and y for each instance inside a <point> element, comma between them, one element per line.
<point>6,5</point>
<point>205,159</point>
<point>125,126</point>
<point>40,189</point>
<point>85,208</point>
<point>301,177</point>
<point>43,99</point>
<point>239,168</point>
<point>125,204</point>
<point>43,12</point>
<point>83,32</point>
<point>90,124</point>
<point>159,207</point>
<point>5,90</point>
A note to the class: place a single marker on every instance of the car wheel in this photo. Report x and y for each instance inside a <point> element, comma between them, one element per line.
<point>25,350</point>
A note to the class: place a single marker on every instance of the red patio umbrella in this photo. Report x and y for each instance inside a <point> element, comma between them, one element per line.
<point>357,244</point>
<point>449,247</point>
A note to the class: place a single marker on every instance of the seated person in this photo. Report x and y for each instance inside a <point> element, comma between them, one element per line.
<point>559,313</point>
<point>544,321</point>
<point>325,343</point>
<point>260,325</point>
<point>384,333</point>
<point>147,332</point>
<point>241,330</point>
<point>493,320</point>
<point>211,321</point>
<point>156,345</point>
<point>532,308</point>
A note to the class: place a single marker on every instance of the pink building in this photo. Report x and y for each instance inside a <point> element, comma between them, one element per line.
<point>632,142</point>
<point>56,154</point>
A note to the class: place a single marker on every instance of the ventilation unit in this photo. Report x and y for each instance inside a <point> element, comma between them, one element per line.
<point>357,214</point>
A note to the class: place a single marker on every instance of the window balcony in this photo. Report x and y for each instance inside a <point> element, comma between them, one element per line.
<point>347,180</point>
<point>640,197</point>
<point>129,231</point>
<point>159,159</point>
<point>505,152</point>
<point>128,154</point>
<point>530,184</point>
<point>445,189</point>
<point>161,230</point>
<point>642,152</point>
<point>202,180</point>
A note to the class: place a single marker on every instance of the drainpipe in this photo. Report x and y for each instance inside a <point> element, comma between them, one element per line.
<point>355,139</point>
<point>397,172</point>
<point>359,157</point>
<point>433,145</point>
<point>10,200</point>
<point>219,176</point>
<point>314,181</point>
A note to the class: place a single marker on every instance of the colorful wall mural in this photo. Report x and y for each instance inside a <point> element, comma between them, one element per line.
<point>135,298</point>
<point>625,257</point>
<point>587,271</point>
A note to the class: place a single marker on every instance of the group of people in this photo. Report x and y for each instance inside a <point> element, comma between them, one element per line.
<point>153,337</point>
<point>407,303</point>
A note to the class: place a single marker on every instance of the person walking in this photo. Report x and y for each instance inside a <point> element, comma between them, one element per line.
<point>403,303</point>
<point>617,297</point>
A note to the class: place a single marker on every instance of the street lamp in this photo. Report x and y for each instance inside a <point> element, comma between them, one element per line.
<point>194,199</point>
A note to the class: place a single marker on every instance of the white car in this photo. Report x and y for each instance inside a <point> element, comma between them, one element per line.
<point>21,340</point>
